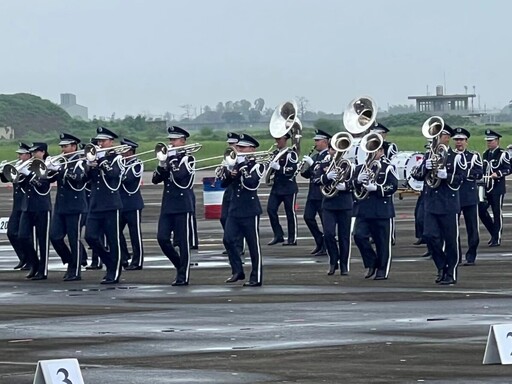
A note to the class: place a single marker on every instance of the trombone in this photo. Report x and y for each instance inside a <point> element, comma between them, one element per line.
<point>161,152</point>
<point>91,151</point>
<point>230,155</point>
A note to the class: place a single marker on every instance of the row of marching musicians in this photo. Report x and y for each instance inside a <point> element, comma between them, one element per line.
<point>99,191</point>
<point>459,183</point>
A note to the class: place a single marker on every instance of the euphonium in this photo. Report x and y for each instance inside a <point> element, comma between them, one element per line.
<point>341,143</point>
<point>370,143</point>
<point>438,152</point>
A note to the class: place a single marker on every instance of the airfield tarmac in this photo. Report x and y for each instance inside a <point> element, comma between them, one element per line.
<point>302,326</point>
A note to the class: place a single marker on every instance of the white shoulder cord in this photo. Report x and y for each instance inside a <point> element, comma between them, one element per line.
<point>190,167</point>
<point>78,164</point>
<point>136,174</point>
<point>116,159</point>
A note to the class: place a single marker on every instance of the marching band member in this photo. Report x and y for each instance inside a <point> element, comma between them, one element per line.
<point>374,214</point>
<point>468,192</point>
<point>390,150</point>
<point>284,190</point>
<point>70,205</point>
<point>36,207</point>
<point>177,173</point>
<point>315,197</point>
<point>336,218</point>
<point>105,203</point>
<point>18,192</point>
<point>232,140</point>
<point>442,207</point>
<point>244,212</point>
<point>133,204</point>
<point>496,163</point>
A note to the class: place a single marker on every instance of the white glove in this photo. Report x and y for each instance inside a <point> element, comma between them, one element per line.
<point>275,165</point>
<point>171,153</point>
<point>162,163</point>
<point>372,187</point>
<point>332,175</point>
<point>362,177</point>
<point>308,160</point>
<point>24,171</point>
<point>442,174</point>
<point>428,164</point>
<point>240,159</point>
<point>53,167</point>
<point>341,187</point>
<point>91,163</point>
<point>100,154</point>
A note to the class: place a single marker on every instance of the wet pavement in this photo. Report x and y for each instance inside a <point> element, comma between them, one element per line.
<point>302,326</point>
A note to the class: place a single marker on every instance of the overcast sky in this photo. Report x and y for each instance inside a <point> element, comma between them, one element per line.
<point>140,56</point>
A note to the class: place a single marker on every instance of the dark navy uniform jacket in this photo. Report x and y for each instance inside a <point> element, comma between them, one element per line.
<point>70,195</point>
<point>313,173</point>
<point>18,194</point>
<point>178,177</point>
<point>343,200</point>
<point>244,198</point>
<point>379,203</point>
<point>130,187</point>
<point>105,181</point>
<point>284,182</point>
<point>445,198</point>
<point>496,161</point>
<point>468,192</point>
<point>37,194</point>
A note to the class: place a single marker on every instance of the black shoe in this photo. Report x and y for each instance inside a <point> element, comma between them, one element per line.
<point>225,252</point>
<point>234,278</point>
<point>109,281</point>
<point>39,276</point>
<point>26,267</point>
<point>196,247</point>
<point>31,274</point>
<point>83,263</point>
<point>426,254</point>
<point>179,283</point>
<point>343,270</point>
<point>380,276</point>
<point>491,240</point>
<point>418,242</point>
<point>252,284</point>
<point>468,263</point>
<point>448,281</point>
<point>72,278</point>
<point>276,240</point>
<point>440,276</point>
<point>93,267</point>
<point>133,268</point>
<point>19,265</point>
<point>370,273</point>
<point>317,249</point>
<point>332,269</point>
<point>495,244</point>
<point>322,252</point>
<point>288,243</point>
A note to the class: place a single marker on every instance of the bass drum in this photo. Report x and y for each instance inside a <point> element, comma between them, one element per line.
<point>404,163</point>
<point>355,154</point>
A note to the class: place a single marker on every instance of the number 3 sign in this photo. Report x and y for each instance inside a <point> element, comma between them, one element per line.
<point>62,371</point>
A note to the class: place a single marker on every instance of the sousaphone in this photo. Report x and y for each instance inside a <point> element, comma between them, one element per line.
<point>284,121</point>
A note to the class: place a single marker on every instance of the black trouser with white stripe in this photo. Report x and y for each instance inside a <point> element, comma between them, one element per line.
<point>62,225</point>
<point>133,220</point>
<point>101,224</point>
<point>312,208</point>
<point>274,201</point>
<point>493,224</point>
<point>443,230</point>
<point>13,235</point>
<point>380,231</point>
<point>177,224</point>
<point>470,213</point>
<point>248,228</point>
<point>337,222</point>
<point>40,221</point>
